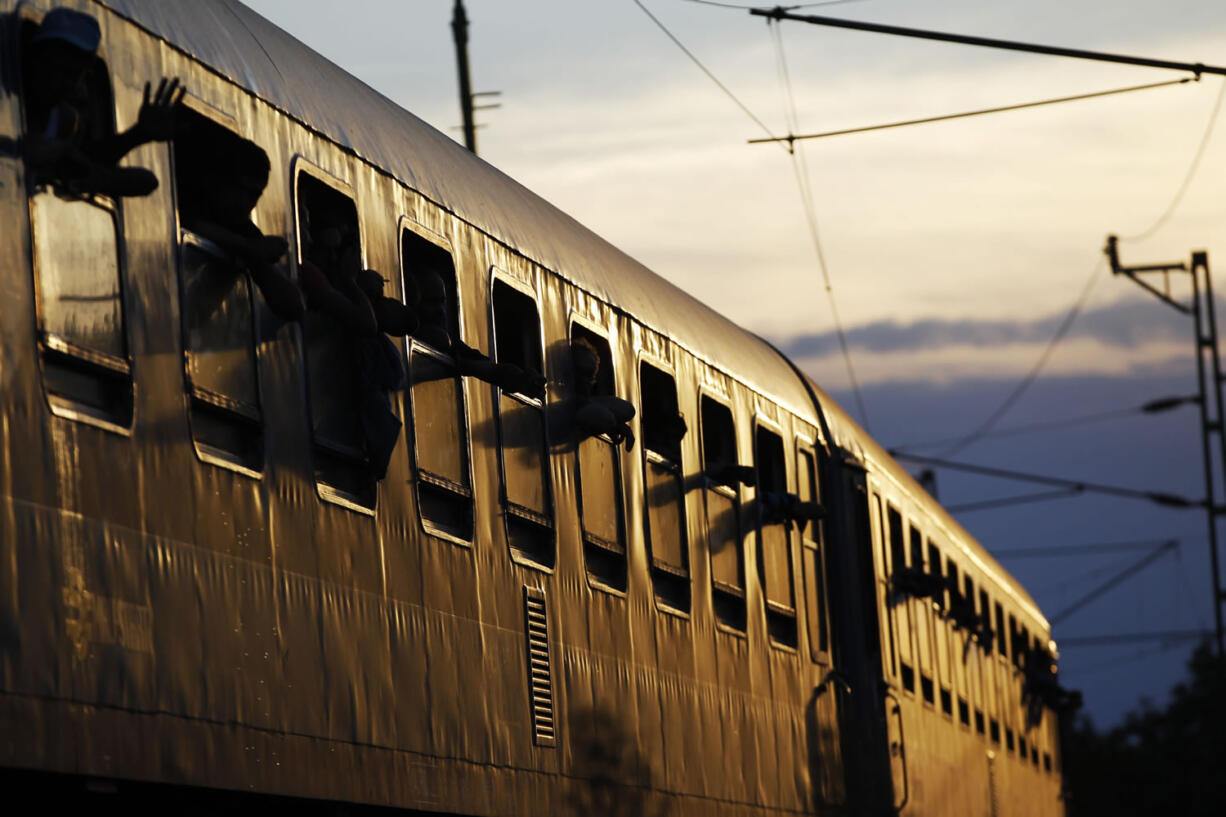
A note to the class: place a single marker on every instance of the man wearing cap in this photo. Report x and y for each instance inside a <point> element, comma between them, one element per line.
<point>70,145</point>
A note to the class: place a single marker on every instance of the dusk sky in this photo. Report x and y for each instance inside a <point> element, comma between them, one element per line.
<point>954,249</point>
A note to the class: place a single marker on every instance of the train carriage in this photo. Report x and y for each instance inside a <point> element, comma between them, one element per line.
<point>211,598</point>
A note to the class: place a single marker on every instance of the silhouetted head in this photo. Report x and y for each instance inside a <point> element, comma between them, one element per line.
<point>64,47</point>
<point>586,361</point>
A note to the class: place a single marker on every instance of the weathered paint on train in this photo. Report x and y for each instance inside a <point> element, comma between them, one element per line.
<point>164,619</point>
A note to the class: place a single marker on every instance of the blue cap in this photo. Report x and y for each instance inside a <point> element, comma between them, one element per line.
<point>73,27</point>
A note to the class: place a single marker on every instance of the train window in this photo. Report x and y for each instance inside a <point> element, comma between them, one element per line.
<point>1001,637</point>
<point>1021,746</point>
<point>985,621</point>
<point>722,476</point>
<point>898,555</point>
<point>964,712</point>
<point>662,431</point>
<point>215,295</point>
<point>328,234</point>
<point>921,609</point>
<point>1047,762</point>
<point>436,396</point>
<point>1009,738</point>
<point>1034,756</point>
<point>1014,642</point>
<point>521,426</point>
<point>79,265</point>
<point>600,485</point>
<point>927,689</point>
<point>774,537</point>
<point>934,569</point>
<point>902,608</point>
<point>994,730</point>
<point>812,540</point>
<point>979,721</point>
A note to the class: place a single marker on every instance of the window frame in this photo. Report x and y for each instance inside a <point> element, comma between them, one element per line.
<point>740,595</point>
<point>54,349</point>
<point>413,346</point>
<point>547,521</point>
<point>301,165</point>
<point>805,445</point>
<point>578,320</point>
<point>762,422</point>
<point>648,457</point>
<point>192,393</point>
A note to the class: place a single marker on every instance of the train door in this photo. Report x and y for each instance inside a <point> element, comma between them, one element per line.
<point>864,647</point>
<point>896,660</point>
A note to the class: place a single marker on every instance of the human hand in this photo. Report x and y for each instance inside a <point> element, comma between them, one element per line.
<point>156,120</point>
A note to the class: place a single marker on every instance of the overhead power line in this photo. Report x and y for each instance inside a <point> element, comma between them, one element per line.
<point>704,69</point>
<point>1187,179</point>
<point>780,13</point>
<point>1021,499</point>
<point>1132,569</point>
<point>1158,497</point>
<point>800,170</point>
<point>946,117</point>
<point>1073,550</point>
<point>1133,638</point>
<point>1026,382</point>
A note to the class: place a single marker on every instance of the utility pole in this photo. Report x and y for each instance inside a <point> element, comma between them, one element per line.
<point>459,29</point>
<point>1209,378</point>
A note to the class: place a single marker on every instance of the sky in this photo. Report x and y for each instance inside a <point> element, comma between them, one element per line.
<point>954,250</point>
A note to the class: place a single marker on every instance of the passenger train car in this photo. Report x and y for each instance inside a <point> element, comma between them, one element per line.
<point>209,601</point>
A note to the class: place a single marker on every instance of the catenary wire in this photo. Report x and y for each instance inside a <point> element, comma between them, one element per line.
<point>791,137</point>
<point>785,8</point>
<point>1025,383</point>
<point>1030,428</point>
<point>800,170</point>
<point>704,68</point>
<point>1187,179</point>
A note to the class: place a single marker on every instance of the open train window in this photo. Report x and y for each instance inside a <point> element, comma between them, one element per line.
<point>934,570</point>
<point>328,233</point>
<point>902,608</point>
<point>663,429</point>
<point>774,538</point>
<point>1001,634</point>
<point>720,467</point>
<point>435,397</point>
<point>600,484</point>
<point>79,264</point>
<point>985,617</point>
<point>812,545</point>
<point>215,295</point>
<point>521,425</point>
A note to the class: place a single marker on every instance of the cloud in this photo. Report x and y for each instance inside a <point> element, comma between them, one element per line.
<point>1124,326</point>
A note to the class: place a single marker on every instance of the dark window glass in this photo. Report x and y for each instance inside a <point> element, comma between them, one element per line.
<point>436,394</point>
<point>216,298</point>
<point>722,496</point>
<point>600,488</point>
<point>774,538</point>
<point>525,463</point>
<point>812,543</point>
<point>77,256</point>
<point>663,429</point>
<point>328,231</point>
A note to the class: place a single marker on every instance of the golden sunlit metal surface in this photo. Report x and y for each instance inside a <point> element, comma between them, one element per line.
<point>675,579</point>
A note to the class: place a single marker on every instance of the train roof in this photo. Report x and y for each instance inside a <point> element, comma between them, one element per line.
<point>846,433</point>
<point>255,54</point>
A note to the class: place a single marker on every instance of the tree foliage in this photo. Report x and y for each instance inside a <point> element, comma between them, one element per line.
<point>1158,761</point>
